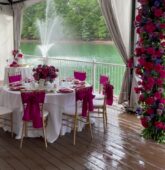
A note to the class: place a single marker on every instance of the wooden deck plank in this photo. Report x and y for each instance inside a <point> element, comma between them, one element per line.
<point>120,147</point>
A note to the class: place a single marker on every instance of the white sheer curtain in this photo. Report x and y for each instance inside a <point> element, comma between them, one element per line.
<point>118,16</point>
<point>6,36</point>
<point>17,19</point>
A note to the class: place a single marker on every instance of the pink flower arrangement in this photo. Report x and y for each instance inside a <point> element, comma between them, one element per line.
<point>150,52</point>
<point>48,73</point>
<point>17,55</point>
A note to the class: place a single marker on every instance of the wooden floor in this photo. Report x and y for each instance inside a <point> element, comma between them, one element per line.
<point>120,147</point>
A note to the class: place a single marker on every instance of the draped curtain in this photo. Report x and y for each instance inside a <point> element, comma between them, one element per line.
<point>118,16</point>
<point>17,23</point>
<point>6,36</point>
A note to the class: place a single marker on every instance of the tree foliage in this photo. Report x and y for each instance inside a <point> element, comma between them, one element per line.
<point>82,18</point>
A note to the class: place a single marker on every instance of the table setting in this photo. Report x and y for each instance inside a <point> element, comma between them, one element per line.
<point>60,95</point>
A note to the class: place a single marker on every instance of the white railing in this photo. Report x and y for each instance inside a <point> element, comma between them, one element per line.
<point>93,68</point>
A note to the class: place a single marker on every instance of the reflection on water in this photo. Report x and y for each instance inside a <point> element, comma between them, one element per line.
<point>88,51</point>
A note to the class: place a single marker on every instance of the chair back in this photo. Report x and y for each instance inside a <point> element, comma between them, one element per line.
<point>103,80</point>
<point>108,93</point>
<point>85,95</point>
<point>15,78</point>
<point>80,75</point>
<point>33,106</point>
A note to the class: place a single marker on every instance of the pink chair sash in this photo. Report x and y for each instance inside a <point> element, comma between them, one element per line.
<point>103,79</point>
<point>80,75</point>
<point>14,78</point>
<point>108,92</point>
<point>32,112</point>
<point>86,96</point>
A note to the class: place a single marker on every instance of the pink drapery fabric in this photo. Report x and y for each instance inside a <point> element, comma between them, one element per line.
<point>108,92</point>
<point>86,96</point>
<point>80,75</point>
<point>103,79</point>
<point>31,112</point>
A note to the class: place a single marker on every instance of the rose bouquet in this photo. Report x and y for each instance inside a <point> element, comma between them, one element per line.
<point>48,73</point>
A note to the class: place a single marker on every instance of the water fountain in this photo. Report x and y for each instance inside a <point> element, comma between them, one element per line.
<point>50,30</point>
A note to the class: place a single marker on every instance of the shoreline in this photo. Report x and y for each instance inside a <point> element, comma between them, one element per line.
<point>72,41</point>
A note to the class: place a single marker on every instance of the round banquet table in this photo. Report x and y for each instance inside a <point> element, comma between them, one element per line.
<point>55,104</point>
<point>25,71</point>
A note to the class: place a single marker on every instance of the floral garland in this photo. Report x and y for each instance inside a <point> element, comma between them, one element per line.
<point>150,53</point>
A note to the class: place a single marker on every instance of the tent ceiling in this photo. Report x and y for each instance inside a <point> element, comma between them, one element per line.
<point>10,2</point>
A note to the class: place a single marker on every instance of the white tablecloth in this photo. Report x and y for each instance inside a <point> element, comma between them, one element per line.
<point>55,103</point>
<point>26,72</point>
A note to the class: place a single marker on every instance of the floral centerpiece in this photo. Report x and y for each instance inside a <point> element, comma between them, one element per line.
<point>17,58</point>
<point>45,72</point>
<point>150,53</point>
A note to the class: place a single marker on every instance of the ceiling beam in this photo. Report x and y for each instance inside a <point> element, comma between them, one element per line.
<point>10,2</point>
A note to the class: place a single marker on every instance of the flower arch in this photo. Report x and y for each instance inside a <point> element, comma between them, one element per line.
<point>150,53</point>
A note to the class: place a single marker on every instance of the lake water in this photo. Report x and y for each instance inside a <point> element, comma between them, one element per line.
<point>83,51</point>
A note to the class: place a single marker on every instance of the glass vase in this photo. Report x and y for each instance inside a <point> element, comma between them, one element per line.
<point>41,83</point>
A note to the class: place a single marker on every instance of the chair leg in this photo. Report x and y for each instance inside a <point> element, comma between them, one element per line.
<point>44,132</point>
<point>75,130</point>
<point>90,127</point>
<point>11,123</point>
<point>23,129</point>
<point>104,119</point>
<point>26,129</point>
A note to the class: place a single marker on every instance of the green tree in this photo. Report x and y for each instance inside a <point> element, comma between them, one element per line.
<point>82,18</point>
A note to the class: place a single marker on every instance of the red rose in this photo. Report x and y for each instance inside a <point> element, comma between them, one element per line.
<point>159,82</point>
<point>157,95</point>
<point>158,12</point>
<point>138,18</point>
<point>150,100</point>
<point>144,122</point>
<point>162,26</point>
<point>150,27</point>
<point>151,50</point>
<point>150,111</point>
